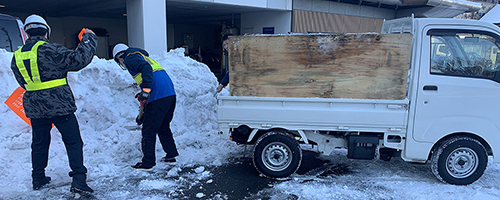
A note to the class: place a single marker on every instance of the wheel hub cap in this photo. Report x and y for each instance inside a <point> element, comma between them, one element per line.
<point>462,162</point>
<point>276,156</point>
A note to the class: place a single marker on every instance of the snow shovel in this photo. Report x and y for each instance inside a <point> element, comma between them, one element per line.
<point>139,119</point>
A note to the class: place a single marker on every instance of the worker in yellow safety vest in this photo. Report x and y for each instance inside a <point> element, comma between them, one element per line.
<point>158,98</point>
<point>41,68</point>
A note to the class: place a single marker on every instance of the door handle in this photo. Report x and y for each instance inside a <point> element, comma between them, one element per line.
<point>431,87</point>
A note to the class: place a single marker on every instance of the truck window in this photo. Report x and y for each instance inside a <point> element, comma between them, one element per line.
<point>10,34</point>
<point>467,54</point>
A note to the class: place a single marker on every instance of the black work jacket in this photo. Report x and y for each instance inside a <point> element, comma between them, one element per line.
<point>54,62</point>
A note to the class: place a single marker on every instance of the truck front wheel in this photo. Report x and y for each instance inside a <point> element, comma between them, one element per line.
<point>277,154</point>
<point>459,160</point>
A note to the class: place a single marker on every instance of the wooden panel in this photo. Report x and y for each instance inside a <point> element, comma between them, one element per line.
<point>361,66</point>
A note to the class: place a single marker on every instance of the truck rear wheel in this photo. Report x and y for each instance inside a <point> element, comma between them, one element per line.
<point>459,160</point>
<point>277,154</point>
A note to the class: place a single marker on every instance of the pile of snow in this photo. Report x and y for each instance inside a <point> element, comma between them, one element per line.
<point>105,99</point>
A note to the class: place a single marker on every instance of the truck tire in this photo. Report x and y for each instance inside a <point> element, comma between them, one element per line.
<point>277,154</point>
<point>459,160</point>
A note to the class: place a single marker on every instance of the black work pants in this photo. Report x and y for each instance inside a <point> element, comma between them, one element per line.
<point>70,132</point>
<point>157,117</point>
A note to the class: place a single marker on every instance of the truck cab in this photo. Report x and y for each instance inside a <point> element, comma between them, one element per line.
<point>453,91</point>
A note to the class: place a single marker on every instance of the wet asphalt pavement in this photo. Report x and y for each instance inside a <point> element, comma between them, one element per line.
<point>239,179</point>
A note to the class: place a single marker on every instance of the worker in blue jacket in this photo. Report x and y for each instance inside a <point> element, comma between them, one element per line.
<point>158,97</point>
<point>223,83</point>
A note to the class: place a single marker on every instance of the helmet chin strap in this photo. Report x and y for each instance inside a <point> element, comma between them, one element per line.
<point>122,66</point>
<point>117,60</point>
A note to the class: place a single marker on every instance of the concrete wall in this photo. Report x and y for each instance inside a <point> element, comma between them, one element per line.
<point>135,19</point>
<point>343,9</point>
<point>147,25</point>
<point>253,23</point>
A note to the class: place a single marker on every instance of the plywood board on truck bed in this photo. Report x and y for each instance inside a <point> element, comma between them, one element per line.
<point>360,66</point>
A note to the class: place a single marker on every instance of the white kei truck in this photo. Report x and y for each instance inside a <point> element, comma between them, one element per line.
<point>449,116</point>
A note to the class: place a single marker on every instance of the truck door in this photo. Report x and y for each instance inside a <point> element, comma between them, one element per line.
<point>458,84</point>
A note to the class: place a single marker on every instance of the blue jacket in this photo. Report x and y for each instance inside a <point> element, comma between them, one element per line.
<point>160,83</point>
<point>225,80</point>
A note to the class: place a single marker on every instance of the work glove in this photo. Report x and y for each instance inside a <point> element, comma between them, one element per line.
<point>84,31</point>
<point>142,96</point>
<point>80,35</point>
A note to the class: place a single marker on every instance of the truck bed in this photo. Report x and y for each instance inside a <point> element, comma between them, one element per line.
<point>313,113</point>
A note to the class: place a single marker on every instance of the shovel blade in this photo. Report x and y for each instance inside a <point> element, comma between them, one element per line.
<point>133,128</point>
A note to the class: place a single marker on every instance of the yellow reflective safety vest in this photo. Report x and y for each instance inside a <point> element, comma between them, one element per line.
<point>155,65</point>
<point>34,83</point>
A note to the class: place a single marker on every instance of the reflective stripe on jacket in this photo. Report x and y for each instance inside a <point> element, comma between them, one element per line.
<point>34,83</point>
<point>53,61</point>
<point>148,74</point>
<point>155,65</point>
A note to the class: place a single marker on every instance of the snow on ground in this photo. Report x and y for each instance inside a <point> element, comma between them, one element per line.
<point>104,96</point>
<point>377,179</point>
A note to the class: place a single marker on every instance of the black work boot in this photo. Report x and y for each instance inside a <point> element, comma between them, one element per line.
<point>79,184</point>
<point>40,182</point>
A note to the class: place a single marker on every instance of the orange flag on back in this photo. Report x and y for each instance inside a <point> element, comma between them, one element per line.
<point>15,103</point>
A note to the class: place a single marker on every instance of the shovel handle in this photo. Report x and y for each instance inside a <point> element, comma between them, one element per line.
<point>138,119</point>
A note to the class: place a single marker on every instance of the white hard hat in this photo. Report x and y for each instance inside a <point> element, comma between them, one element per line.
<point>119,48</point>
<point>35,21</point>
